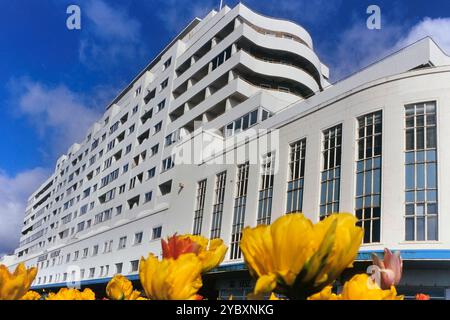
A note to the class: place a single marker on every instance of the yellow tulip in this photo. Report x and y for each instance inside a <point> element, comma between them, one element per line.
<point>14,286</point>
<point>120,288</point>
<point>31,295</point>
<point>171,279</point>
<point>72,294</point>
<point>296,258</point>
<point>325,294</point>
<point>210,252</point>
<point>362,287</point>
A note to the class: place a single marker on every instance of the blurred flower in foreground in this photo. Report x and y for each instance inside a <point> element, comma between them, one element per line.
<point>210,252</point>
<point>391,268</point>
<point>360,287</point>
<point>14,286</point>
<point>421,296</point>
<point>120,288</point>
<point>171,279</point>
<point>325,294</point>
<point>72,294</point>
<point>31,295</point>
<point>295,258</point>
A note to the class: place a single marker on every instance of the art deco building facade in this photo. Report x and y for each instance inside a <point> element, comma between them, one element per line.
<point>234,123</point>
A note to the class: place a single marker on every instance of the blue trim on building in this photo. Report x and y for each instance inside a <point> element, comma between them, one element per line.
<point>83,283</point>
<point>423,254</point>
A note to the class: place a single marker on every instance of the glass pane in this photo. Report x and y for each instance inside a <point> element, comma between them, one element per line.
<point>410,139</point>
<point>432,208</point>
<point>359,184</point>
<point>420,121</point>
<point>420,136</point>
<point>410,157</point>
<point>420,229</point>
<point>368,183</point>
<point>410,122</point>
<point>431,196</point>
<point>420,176</point>
<point>420,209</point>
<point>431,137</point>
<point>376,181</point>
<point>432,228</point>
<point>376,231</point>
<point>431,107</point>
<point>409,111</point>
<point>409,209</point>
<point>410,196</point>
<point>409,229</point>
<point>410,177</point>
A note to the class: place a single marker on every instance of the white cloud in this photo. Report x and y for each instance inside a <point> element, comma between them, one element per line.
<point>14,192</point>
<point>357,47</point>
<point>109,36</point>
<point>438,29</point>
<point>60,116</point>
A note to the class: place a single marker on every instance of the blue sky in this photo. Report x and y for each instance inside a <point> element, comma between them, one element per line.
<point>56,82</point>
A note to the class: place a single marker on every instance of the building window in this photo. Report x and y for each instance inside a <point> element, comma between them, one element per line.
<point>331,171</point>
<point>157,127</point>
<point>156,233</point>
<point>199,207</point>
<point>85,252</point>
<point>221,58</point>
<point>134,265</point>
<point>138,238</point>
<point>91,272</point>
<point>421,203</point>
<point>154,150</point>
<point>118,210</point>
<point>164,84</point>
<point>266,189</point>
<point>151,173</point>
<point>161,105</point>
<point>216,226</point>
<point>296,176</point>
<point>119,267</point>
<point>167,63</point>
<point>122,243</point>
<point>95,250</point>
<point>368,176</point>
<point>135,109</point>
<point>240,203</point>
<point>168,163</point>
<point>148,197</point>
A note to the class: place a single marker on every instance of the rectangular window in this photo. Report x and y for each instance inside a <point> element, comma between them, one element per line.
<point>122,243</point>
<point>266,189</point>
<point>331,171</point>
<point>151,173</point>
<point>157,127</point>
<point>164,84</point>
<point>240,203</point>
<point>168,163</point>
<point>421,203</point>
<point>200,207</point>
<point>296,176</point>
<point>156,233</point>
<point>161,105</point>
<point>368,176</point>
<point>148,196</point>
<point>167,63</point>
<point>134,265</point>
<point>138,238</point>
<point>119,268</point>
<point>216,226</point>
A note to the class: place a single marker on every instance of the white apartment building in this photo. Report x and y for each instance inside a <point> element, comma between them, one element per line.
<point>233,124</point>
